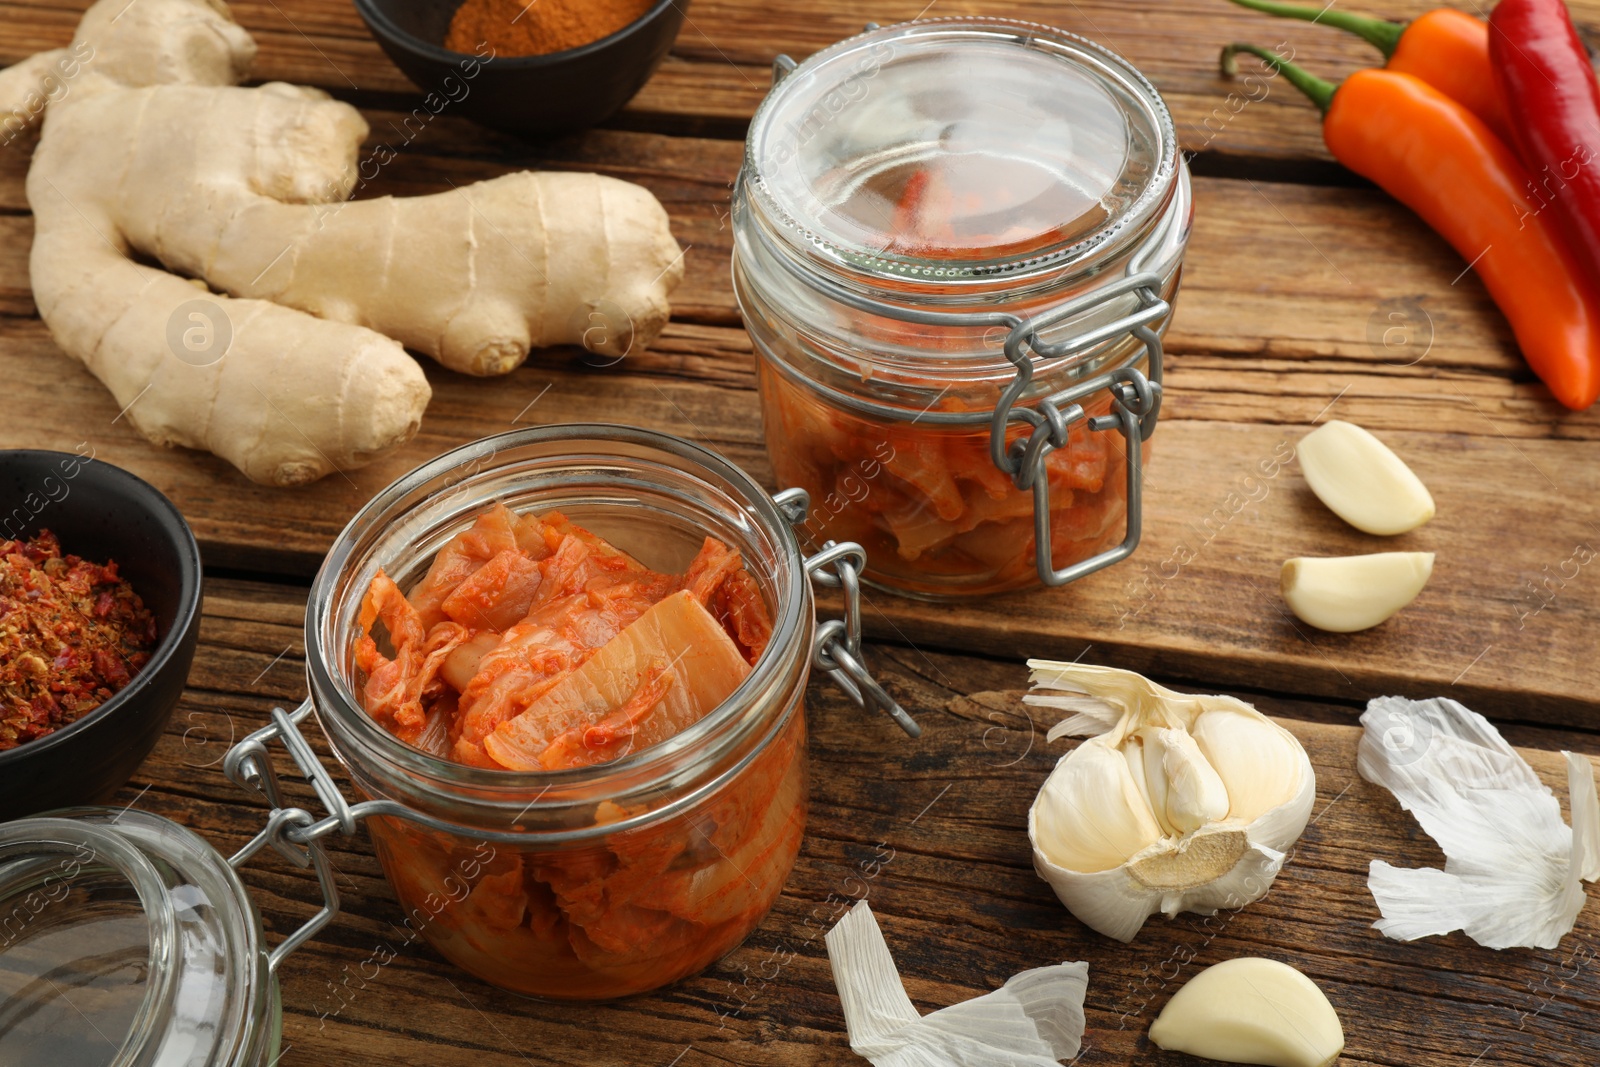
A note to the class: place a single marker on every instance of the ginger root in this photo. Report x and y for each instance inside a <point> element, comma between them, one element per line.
<point>148,147</point>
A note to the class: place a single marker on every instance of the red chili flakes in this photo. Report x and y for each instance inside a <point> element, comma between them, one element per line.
<point>72,633</point>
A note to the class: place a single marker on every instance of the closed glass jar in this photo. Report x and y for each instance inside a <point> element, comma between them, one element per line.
<point>602,881</point>
<point>912,199</point>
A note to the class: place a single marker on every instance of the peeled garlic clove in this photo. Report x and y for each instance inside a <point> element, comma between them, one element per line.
<point>1362,481</point>
<point>1098,797</point>
<point>1251,1010</point>
<point>1343,594</point>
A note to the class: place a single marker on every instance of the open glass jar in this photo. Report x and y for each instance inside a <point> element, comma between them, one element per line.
<point>589,883</point>
<point>133,924</point>
<point>618,878</point>
<point>957,242</point>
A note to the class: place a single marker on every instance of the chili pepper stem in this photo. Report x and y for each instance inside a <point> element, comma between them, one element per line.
<point>1318,90</point>
<point>1380,33</point>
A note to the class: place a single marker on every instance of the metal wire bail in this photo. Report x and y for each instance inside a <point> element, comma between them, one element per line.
<point>1135,407</point>
<point>836,648</point>
<point>294,832</point>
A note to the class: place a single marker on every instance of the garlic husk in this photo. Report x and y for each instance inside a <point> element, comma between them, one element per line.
<point>1207,855</point>
<point>1513,870</point>
<point>1035,1020</point>
<point>1585,816</point>
<point>1251,1010</point>
<point>1343,594</point>
<point>1362,481</point>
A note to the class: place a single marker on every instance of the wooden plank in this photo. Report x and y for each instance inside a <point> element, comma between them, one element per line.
<point>932,832</point>
<point>1283,287</point>
<point>719,69</point>
<point>1505,622</point>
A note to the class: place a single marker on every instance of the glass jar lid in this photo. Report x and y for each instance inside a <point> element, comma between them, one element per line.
<point>964,148</point>
<point>127,941</point>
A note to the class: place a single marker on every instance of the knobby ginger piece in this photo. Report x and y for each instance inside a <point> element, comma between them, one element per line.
<point>1513,870</point>
<point>1034,1020</point>
<point>300,369</point>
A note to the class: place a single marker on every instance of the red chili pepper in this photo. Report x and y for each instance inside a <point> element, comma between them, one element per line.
<point>1544,74</point>
<point>1437,158</point>
<point>1446,48</point>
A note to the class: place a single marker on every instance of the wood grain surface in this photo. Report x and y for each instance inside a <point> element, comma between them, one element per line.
<point>933,834</point>
<point>1296,276</point>
<point>1267,340</point>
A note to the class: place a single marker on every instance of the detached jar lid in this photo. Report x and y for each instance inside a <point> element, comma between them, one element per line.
<point>127,941</point>
<point>960,148</point>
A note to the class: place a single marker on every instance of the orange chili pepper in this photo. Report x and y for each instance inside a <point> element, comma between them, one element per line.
<point>1437,158</point>
<point>1446,48</point>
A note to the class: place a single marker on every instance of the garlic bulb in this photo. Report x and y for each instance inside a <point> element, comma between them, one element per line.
<point>1362,481</point>
<point>1175,803</point>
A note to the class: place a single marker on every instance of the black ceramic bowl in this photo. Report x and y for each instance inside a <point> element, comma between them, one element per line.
<point>527,95</point>
<point>102,512</point>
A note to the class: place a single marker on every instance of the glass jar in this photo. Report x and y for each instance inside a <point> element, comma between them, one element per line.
<point>134,925</point>
<point>956,245</point>
<point>609,880</point>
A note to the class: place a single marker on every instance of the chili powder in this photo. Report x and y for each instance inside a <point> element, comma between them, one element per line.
<point>519,28</point>
<point>72,634</point>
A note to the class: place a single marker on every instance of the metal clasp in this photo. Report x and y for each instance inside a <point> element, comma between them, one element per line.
<point>294,832</point>
<point>836,649</point>
<point>1135,407</point>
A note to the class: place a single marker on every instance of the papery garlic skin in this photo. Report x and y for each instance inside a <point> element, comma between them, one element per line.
<point>1035,1020</point>
<point>1514,871</point>
<point>1194,833</point>
<point>1362,481</point>
<point>1344,594</point>
<point>1251,1010</point>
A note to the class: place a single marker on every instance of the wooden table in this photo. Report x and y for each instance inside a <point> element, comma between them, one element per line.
<point>1294,274</point>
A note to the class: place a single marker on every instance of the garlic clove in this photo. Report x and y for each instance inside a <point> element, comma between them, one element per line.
<point>1362,481</point>
<point>1343,594</point>
<point>1093,792</point>
<point>1195,795</point>
<point>1140,748</point>
<point>1260,761</point>
<point>1251,1010</point>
